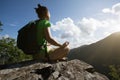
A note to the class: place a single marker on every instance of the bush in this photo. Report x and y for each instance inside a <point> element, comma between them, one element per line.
<point>115,72</point>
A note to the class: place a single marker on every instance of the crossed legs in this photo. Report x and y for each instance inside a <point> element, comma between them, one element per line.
<point>59,53</point>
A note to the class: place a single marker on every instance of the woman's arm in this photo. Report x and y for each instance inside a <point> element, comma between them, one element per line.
<point>49,38</point>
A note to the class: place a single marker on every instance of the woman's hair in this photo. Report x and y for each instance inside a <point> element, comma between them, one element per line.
<point>41,11</point>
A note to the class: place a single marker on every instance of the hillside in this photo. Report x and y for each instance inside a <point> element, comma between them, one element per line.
<point>100,54</point>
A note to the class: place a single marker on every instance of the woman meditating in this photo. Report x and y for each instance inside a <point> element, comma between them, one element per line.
<point>44,37</point>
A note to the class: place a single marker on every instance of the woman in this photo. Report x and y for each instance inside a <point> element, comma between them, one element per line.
<point>43,36</point>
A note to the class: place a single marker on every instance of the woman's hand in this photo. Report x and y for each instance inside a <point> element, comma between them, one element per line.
<point>65,44</point>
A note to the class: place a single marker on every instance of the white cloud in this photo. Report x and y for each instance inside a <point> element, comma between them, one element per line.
<point>106,10</point>
<point>87,30</point>
<point>88,26</point>
<point>114,10</point>
<point>75,33</point>
<point>67,28</point>
<point>6,36</point>
<point>67,34</point>
<point>13,25</point>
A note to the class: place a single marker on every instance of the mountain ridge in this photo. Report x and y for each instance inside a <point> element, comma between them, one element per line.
<point>105,48</point>
<point>100,54</point>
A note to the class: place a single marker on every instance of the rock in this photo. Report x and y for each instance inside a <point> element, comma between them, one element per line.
<point>66,70</point>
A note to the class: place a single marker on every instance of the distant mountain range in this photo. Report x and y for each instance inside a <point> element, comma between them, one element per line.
<point>100,54</point>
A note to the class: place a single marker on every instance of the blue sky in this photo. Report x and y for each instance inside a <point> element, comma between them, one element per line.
<point>78,21</point>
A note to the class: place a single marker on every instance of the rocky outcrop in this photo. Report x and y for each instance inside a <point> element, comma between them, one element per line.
<point>66,70</point>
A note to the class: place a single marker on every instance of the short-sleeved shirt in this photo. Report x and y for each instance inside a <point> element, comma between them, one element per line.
<point>40,31</point>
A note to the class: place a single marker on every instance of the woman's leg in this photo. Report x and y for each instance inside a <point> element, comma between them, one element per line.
<point>59,53</point>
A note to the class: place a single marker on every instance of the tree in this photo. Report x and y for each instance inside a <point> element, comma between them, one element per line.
<point>1,23</point>
<point>9,53</point>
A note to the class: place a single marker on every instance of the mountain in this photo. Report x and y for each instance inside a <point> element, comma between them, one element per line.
<point>66,70</point>
<point>100,54</point>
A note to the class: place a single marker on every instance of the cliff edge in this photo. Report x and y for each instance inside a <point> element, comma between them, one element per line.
<point>35,70</point>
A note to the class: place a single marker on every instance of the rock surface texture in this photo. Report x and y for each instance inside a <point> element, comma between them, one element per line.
<point>66,70</point>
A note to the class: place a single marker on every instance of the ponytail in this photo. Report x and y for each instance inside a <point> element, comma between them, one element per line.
<point>41,10</point>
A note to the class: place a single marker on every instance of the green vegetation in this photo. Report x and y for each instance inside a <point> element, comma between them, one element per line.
<point>9,53</point>
<point>114,72</point>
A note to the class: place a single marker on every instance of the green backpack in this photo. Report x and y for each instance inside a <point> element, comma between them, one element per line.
<point>27,38</point>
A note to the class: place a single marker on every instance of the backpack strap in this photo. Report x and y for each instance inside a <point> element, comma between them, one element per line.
<point>46,53</point>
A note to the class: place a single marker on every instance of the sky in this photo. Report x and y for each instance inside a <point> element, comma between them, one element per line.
<point>80,22</point>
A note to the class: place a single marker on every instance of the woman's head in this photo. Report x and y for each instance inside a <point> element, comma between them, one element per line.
<point>42,12</point>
